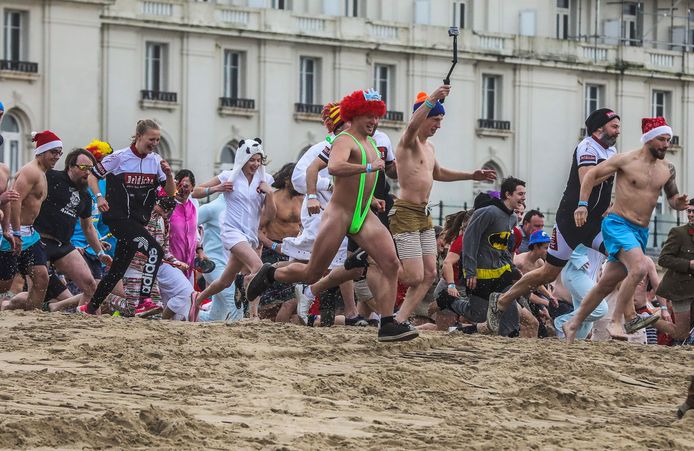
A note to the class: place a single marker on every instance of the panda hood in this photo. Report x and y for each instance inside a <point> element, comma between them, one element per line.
<point>247,148</point>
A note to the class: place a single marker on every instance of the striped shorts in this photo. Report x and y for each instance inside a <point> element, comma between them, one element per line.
<point>415,244</point>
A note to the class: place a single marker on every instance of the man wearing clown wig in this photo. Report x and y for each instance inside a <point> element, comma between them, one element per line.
<point>355,164</point>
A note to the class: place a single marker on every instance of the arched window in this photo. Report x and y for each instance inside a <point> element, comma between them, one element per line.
<point>10,150</point>
<point>164,149</point>
<point>226,158</point>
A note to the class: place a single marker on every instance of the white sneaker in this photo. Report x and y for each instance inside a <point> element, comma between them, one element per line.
<point>303,303</point>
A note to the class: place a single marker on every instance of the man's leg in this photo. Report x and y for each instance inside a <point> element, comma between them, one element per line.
<point>613,273</point>
<point>75,268</point>
<point>634,261</point>
<point>415,293</point>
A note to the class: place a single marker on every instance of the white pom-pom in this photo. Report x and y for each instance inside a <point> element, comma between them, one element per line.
<point>33,135</point>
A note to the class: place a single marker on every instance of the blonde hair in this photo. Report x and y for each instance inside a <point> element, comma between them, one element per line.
<point>142,126</point>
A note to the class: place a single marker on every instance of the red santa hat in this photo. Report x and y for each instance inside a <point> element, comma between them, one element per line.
<point>652,127</point>
<point>45,141</point>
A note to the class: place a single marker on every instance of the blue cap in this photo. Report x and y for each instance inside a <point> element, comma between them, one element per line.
<point>436,111</point>
<point>2,107</point>
<point>538,237</point>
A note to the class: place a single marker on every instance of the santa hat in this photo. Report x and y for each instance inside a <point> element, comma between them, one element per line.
<point>362,103</point>
<point>652,127</point>
<point>331,116</point>
<point>247,148</point>
<point>45,141</point>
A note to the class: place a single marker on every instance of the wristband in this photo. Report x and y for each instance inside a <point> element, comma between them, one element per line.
<point>274,246</point>
<point>100,253</point>
<point>207,191</point>
<point>451,285</point>
<point>429,103</point>
<point>368,168</point>
<point>663,307</point>
<point>16,233</point>
<point>312,197</point>
<point>583,203</point>
<point>98,195</point>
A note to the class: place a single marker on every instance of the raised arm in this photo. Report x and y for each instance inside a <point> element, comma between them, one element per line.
<point>409,137</point>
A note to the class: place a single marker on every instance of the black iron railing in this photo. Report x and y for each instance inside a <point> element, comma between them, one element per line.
<point>232,102</point>
<point>19,66</point>
<point>308,108</point>
<point>160,96</point>
<point>396,116</point>
<point>494,124</point>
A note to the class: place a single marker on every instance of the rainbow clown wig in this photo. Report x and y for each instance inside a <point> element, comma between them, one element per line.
<point>99,149</point>
<point>362,103</point>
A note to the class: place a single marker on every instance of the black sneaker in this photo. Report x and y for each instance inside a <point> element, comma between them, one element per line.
<point>493,313</point>
<point>397,332</point>
<point>260,282</point>
<point>358,259</point>
<point>356,321</point>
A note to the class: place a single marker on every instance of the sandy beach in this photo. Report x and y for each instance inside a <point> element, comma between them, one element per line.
<point>74,382</point>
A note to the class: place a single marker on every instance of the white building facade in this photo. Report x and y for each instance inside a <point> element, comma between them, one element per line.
<point>214,72</point>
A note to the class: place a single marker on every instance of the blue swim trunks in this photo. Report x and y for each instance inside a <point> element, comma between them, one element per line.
<point>620,234</point>
<point>29,238</point>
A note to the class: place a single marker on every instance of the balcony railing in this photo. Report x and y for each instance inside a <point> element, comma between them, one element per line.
<point>494,124</point>
<point>159,96</point>
<point>231,102</point>
<point>396,116</point>
<point>308,108</point>
<point>19,66</point>
<point>675,141</point>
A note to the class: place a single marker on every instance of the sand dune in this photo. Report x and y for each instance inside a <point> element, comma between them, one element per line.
<point>74,382</point>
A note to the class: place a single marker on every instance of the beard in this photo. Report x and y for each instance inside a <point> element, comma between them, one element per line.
<point>658,154</point>
<point>607,139</point>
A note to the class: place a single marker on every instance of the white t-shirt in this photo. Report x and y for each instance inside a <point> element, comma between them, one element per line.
<point>244,204</point>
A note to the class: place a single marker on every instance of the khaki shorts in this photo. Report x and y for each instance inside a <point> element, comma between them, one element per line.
<point>412,229</point>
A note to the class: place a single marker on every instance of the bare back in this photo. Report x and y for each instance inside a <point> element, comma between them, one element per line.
<point>287,220</point>
<point>415,170</point>
<point>31,183</point>
<point>639,182</point>
<point>523,263</point>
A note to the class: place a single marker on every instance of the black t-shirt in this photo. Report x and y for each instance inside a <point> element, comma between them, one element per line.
<point>64,203</point>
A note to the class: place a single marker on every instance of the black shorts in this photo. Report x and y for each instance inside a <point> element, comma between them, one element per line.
<point>55,250</point>
<point>55,288</point>
<point>95,265</point>
<point>11,263</point>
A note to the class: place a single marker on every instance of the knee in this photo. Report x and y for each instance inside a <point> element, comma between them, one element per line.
<point>390,267</point>
<point>410,277</point>
<point>89,287</point>
<point>639,272</point>
<point>429,275</point>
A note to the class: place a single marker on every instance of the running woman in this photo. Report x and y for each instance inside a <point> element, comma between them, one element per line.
<point>133,175</point>
<point>249,205</point>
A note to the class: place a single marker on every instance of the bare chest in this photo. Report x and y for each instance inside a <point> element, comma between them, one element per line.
<point>645,177</point>
<point>288,208</point>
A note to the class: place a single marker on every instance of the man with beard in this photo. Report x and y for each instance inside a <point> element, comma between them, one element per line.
<point>67,200</point>
<point>602,128</point>
<point>21,249</point>
<point>641,175</point>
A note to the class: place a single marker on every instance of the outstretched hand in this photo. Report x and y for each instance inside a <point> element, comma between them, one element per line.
<point>681,202</point>
<point>484,174</point>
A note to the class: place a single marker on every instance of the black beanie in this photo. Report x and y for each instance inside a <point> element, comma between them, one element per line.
<point>598,118</point>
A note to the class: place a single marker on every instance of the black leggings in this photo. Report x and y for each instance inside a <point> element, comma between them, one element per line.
<point>132,237</point>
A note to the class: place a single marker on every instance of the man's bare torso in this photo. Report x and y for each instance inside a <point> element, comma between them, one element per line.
<point>639,183</point>
<point>415,171</point>
<point>346,189</point>
<point>35,177</point>
<point>523,263</point>
<point>287,220</point>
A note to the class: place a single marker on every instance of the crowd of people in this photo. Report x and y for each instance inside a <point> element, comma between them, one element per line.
<point>325,242</point>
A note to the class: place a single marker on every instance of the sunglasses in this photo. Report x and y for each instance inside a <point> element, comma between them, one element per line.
<point>56,152</point>
<point>84,167</point>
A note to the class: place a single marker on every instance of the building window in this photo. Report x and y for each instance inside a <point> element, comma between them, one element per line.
<point>308,80</point>
<point>491,89</point>
<point>459,14</point>
<point>562,19</point>
<point>14,30</point>
<point>352,8</point>
<point>660,104</point>
<point>632,23</point>
<point>593,98</point>
<point>155,67</point>
<point>280,4</point>
<point>10,150</point>
<point>232,74</point>
<point>422,12</point>
<point>384,81</point>
<point>226,159</point>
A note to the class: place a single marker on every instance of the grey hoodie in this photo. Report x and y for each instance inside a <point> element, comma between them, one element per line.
<point>486,241</point>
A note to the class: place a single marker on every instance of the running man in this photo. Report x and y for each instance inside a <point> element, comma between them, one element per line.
<point>133,175</point>
<point>26,254</point>
<point>603,128</point>
<point>67,201</point>
<point>355,165</point>
<point>641,175</point>
<point>410,218</point>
